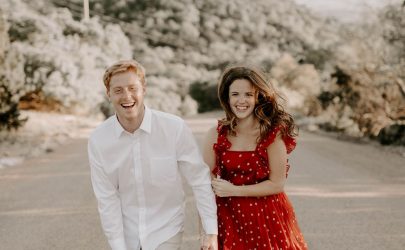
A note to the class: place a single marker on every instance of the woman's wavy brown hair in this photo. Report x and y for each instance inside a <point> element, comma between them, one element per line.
<point>268,111</point>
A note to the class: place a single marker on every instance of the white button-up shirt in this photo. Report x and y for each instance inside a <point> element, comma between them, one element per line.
<point>136,180</point>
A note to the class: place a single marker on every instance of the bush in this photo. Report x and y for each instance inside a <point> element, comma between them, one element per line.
<point>53,62</point>
<point>206,96</point>
<point>9,112</point>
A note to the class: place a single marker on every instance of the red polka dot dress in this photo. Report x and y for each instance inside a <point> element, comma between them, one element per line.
<point>253,222</point>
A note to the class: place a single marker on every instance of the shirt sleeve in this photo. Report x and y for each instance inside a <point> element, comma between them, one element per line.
<point>109,204</point>
<point>197,175</point>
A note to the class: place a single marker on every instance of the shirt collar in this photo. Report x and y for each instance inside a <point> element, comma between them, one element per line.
<point>145,125</point>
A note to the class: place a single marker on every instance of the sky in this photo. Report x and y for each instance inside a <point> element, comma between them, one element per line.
<point>346,10</point>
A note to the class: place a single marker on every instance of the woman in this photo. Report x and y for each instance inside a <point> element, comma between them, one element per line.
<point>247,153</point>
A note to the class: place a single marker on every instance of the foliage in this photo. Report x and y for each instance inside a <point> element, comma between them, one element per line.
<point>206,96</point>
<point>321,67</point>
<point>57,60</point>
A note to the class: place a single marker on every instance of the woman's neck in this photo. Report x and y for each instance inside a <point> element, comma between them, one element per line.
<point>247,125</point>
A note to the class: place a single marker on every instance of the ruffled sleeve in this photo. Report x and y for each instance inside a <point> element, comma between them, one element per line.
<point>289,141</point>
<point>222,143</point>
<point>261,149</point>
<point>220,146</point>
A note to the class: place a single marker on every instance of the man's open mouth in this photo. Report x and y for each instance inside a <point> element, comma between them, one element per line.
<point>128,105</point>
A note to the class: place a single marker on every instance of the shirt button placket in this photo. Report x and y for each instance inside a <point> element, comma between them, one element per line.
<point>139,185</point>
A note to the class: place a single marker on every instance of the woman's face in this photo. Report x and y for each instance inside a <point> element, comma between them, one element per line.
<point>242,98</point>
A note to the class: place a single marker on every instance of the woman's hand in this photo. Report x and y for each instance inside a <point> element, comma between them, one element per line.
<point>223,188</point>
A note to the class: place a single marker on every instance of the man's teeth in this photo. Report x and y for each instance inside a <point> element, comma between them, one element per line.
<point>128,105</point>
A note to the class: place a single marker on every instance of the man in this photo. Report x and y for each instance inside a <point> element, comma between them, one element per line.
<point>136,158</point>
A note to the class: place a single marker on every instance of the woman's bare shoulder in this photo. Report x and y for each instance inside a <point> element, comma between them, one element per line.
<point>212,134</point>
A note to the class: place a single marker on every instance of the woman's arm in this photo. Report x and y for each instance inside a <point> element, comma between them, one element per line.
<point>277,155</point>
<point>208,151</point>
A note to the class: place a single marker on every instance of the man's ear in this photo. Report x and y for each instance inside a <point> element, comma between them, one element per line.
<point>107,92</point>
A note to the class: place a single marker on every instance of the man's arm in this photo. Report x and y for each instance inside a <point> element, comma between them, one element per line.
<point>109,204</point>
<point>197,175</point>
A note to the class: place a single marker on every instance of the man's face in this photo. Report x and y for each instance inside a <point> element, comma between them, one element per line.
<point>126,93</point>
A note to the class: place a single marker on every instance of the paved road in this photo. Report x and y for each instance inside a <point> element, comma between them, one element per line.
<point>346,196</point>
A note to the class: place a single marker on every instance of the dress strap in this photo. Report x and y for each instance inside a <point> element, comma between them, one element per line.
<point>289,141</point>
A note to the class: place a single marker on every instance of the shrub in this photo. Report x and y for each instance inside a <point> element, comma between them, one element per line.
<point>205,95</point>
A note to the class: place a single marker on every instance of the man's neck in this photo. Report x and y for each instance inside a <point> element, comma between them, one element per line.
<point>131,125</point>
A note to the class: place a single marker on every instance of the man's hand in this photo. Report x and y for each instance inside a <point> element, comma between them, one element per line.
<point>209,242</point>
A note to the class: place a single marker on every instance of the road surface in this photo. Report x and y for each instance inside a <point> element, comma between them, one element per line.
<point>346,196</point>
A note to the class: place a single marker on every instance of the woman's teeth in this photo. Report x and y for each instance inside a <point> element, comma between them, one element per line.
<point>241,107</point>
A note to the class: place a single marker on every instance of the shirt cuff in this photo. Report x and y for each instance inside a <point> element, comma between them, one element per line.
<point>117,244</point>
<point>210,226</point>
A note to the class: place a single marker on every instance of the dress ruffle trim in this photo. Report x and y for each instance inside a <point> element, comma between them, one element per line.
<point>223,144</point>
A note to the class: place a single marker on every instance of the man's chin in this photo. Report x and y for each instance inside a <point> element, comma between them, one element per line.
<point>128,115</point>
